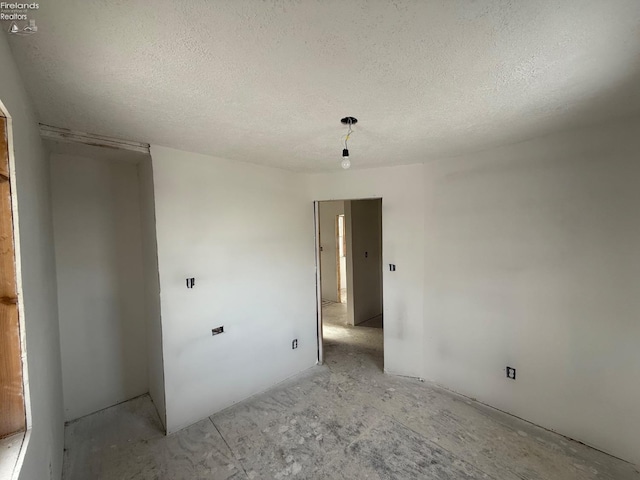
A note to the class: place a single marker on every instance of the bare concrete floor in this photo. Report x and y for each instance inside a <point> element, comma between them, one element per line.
<point>344,420</point>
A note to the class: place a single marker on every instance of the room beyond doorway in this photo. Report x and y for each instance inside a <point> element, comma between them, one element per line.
<point>341,258</point>
<point>349,264</point>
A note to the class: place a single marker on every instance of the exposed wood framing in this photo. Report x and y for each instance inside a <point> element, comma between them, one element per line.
<point>12,417</point>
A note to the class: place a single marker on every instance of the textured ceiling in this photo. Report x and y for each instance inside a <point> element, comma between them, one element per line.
<point>268,81</point>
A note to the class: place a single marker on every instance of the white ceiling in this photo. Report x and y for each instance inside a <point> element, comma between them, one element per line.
<point>268,81</point>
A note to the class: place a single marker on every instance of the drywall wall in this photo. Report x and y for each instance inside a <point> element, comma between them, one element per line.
<point>151,287</point>
<point>96,218</point>
<point>246,234</point>
<point>401,190</point>
<point>329,273</point>
<point>349,261</point>
<point>42,458</point>
<point>366,264</point>
<point>532,260</point>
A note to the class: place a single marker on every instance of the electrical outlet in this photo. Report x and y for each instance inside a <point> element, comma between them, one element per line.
<point>191,282</point>
<point>217,331</point>
<point>294,344</point>
<point>511,373</point>
<point>392,267</point>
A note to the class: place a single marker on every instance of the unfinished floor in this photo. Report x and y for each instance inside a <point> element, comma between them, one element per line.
<point>343,420</point>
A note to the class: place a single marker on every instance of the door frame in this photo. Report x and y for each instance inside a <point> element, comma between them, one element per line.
<point>316,218</point>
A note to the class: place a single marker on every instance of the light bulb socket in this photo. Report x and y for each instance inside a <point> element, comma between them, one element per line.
<point>345,152</point>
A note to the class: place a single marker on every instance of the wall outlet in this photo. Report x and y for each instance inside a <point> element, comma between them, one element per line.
<point>511,373</point>
<point>294,344</point>
<point>191,282</point>
<point>217,330</point>
<point>392,267</point>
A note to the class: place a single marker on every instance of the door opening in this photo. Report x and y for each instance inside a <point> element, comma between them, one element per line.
<point>349,280</point>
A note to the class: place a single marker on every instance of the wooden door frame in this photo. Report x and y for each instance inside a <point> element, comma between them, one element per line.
<point>26,411</point>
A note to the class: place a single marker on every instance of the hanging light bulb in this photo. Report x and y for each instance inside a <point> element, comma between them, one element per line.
<point>346,163</point>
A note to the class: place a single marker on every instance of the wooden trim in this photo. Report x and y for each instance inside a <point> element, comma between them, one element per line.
<point>70,136</point>
<point>4,150</point>
<point>13,417</point>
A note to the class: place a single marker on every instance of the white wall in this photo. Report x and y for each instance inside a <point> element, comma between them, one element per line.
<point>403,244</point>
<point>155,363</point>
<point>366,264</point>
<point>43,456</point>
<point>246,233</point>
<point>96,212</point>
<point>328,213</point>
<point>532,260</point>
<point>349,261</point>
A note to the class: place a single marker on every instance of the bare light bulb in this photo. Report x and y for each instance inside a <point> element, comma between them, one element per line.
<point>346,163</point>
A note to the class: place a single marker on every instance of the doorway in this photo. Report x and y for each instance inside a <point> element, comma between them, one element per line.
<point>349,279</point>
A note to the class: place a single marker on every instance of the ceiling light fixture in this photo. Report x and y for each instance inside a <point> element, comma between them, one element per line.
<point>350,121</point>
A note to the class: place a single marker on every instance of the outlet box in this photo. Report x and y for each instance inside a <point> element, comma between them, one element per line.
<point>294,344</point>
<point>217,330</point>
<point>511,373</point>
